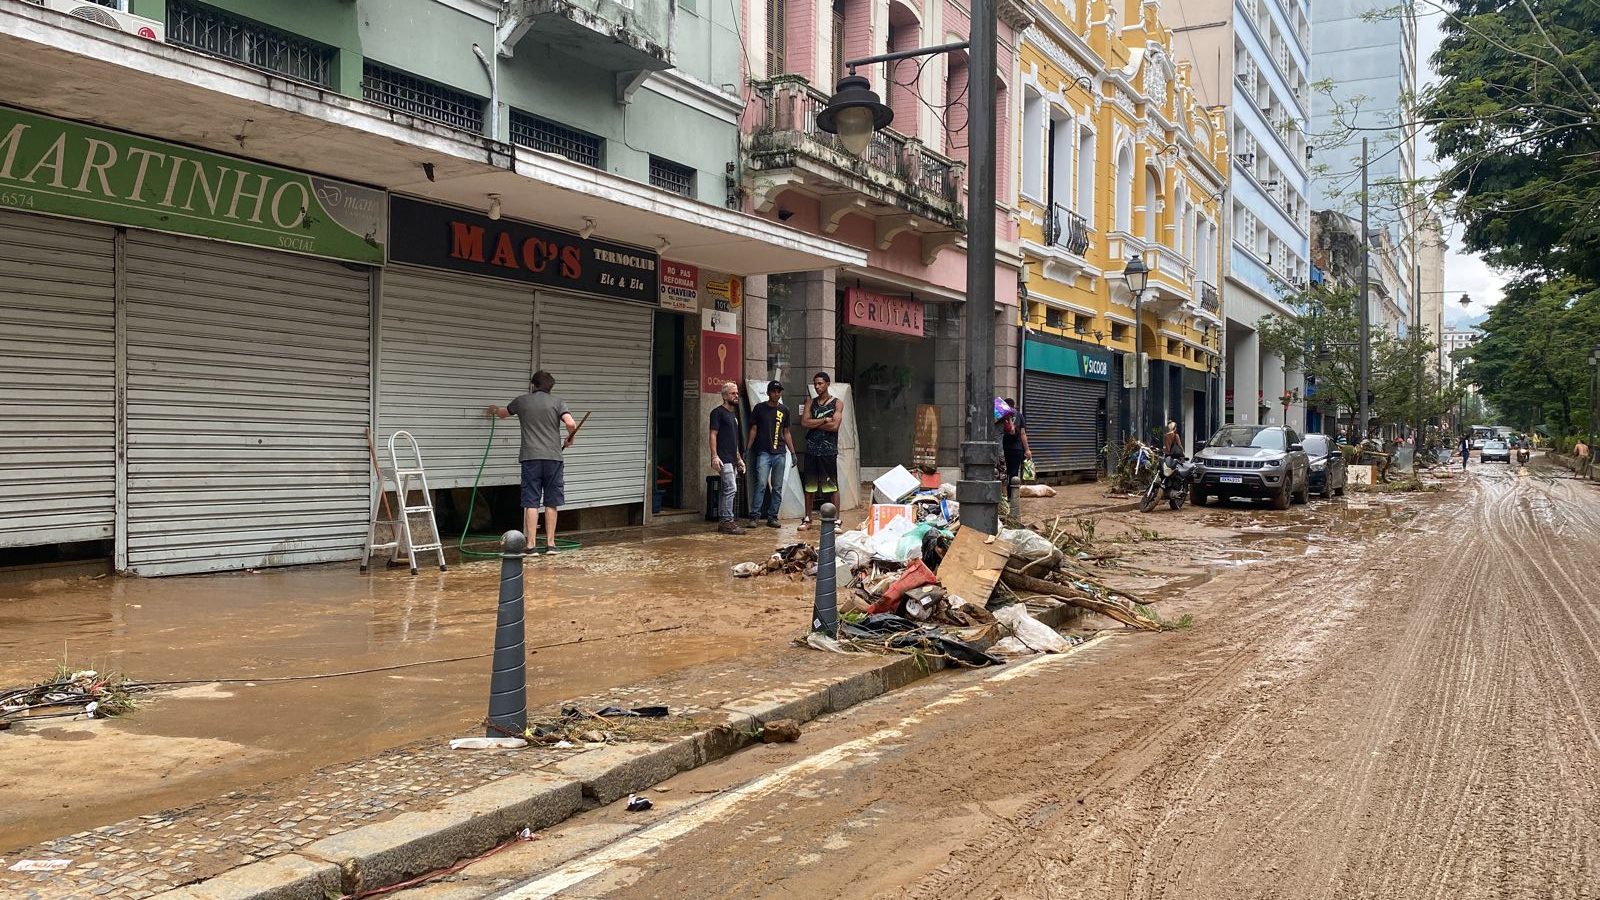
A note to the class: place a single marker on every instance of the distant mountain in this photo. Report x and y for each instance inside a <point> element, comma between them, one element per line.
<point>1454,318</point>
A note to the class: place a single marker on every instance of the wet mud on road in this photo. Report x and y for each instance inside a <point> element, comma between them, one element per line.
<point>1410,715</point>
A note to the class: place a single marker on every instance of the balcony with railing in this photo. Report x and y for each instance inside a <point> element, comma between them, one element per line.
<point>623,36</point>
<point>1066,229</point>
<point>1208,298</point>
<point>898,181</point>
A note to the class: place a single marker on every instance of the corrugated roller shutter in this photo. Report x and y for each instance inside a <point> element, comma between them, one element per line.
<point>248,394</point>
<point>1063,421</point>
<point>58,379</point>
<point>450,346</point>
<point>599,353</point>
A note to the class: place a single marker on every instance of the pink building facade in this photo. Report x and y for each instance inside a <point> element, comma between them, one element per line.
<point>904,202</point>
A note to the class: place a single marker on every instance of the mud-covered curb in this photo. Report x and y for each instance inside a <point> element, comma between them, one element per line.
<point>476,821</point>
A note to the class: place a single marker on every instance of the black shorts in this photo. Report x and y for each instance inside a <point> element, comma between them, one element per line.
<point>543,483</point>
<point>820,474</point>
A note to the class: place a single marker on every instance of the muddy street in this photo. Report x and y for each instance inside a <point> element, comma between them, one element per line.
<point>1410,714</point>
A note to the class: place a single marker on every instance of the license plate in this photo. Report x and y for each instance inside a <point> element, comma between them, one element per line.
<point>1233,479</point>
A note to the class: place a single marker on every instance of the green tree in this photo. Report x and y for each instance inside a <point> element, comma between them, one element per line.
<point>1517,115</point>
<point>1532,363</point>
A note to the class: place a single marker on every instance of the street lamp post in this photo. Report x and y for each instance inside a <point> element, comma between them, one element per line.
<point>1594,394</point>
<point>853,113</point>
<point>1137,276</point>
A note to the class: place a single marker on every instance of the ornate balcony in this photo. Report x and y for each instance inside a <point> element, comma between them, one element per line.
<point>631,39</point>
<point>898,183</point>
<point>1066,229</point>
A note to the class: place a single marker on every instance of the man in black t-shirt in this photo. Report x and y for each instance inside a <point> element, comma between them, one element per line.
<point>769,438</point>
<point>726,459</point>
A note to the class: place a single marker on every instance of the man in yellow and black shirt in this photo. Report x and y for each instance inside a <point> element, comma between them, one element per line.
<point>769,438</point>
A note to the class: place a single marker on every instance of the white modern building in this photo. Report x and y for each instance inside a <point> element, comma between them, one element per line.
<point>1254,57</point>
<point>1366,53</point>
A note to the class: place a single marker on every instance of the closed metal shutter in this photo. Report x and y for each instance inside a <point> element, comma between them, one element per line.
<point>248,393</point>
<point>1063,417</point>
<point>449,347</point>
<point>58,447</point>
<point>599,353</point>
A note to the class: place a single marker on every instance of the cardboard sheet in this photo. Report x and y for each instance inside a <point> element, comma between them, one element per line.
<point>972,566</point>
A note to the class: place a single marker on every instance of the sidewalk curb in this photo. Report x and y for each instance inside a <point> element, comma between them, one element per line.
<point>476,821</point>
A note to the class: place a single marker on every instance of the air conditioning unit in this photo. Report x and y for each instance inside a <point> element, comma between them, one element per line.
<point>127,23</point>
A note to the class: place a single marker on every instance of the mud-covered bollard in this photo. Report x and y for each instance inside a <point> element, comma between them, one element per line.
<point>508,682</point>
<point>1014,497</point>
<point>825,611</point>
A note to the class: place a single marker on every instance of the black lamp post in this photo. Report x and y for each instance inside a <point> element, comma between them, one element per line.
<point>854,106</point>
<point>1137,276</point>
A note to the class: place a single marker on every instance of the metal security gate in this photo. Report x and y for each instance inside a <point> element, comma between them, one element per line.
<point>248,390</point>
<point>1063,418</point>
<point>599,353</point>
<point>57,380</point>
<point>449,346</point>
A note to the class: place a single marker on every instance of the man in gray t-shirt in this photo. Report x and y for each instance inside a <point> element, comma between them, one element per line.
<point>542,416</point>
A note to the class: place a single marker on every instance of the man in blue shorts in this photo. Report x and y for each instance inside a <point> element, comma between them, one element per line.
<point>542,415</point>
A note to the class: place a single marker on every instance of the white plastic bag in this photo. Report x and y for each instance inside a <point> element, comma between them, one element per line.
<point>1027,543</point>
<point>1031,631</point>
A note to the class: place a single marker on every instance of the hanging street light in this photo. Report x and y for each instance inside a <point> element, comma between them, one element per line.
<point>853,113</point>
<point>1466,301</point>
<point>1137,277</point>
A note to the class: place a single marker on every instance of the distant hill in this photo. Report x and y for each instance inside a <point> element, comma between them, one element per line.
<point>1455,318</point>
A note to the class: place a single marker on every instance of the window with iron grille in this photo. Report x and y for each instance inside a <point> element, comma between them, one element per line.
<point>421,98</point>
<point>552,137</point>
<point>1055,318</point>
<point>220,34</point>
<point>669,176</point>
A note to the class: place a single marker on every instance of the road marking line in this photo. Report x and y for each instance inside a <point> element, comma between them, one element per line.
<point>693,817</point>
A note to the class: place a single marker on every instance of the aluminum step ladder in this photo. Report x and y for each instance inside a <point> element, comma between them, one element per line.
<point>405,480</point>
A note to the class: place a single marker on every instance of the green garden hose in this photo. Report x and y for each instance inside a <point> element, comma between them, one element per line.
<point>536,545</point>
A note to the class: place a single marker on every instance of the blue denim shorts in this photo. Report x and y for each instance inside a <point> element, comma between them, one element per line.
<point>543,484</point>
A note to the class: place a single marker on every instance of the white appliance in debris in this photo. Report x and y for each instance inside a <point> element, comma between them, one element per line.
<point>110,17</point>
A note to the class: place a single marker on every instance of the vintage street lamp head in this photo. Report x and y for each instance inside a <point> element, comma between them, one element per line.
<point>854,112</point>
<point>1466,301</point>
<point>1136,275</point>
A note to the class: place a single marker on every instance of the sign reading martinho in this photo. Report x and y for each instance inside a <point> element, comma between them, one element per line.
<point>63,168</point>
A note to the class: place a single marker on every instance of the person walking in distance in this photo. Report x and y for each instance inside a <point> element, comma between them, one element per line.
<point>542,415</point>
<point>1466,451</point>
<point>768,438</point>
<point>726,459</point>
<point>820,474</point>
<point>1172,441</point>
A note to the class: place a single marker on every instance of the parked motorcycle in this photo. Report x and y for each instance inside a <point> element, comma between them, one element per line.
<point>1173,478</point>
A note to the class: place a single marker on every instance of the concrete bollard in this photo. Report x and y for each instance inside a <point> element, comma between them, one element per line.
<point>508,680</point>
<point>1014,497</point>
<point>825,611</point>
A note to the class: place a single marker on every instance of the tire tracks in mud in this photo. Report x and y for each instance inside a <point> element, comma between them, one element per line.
<point>1420,731</point>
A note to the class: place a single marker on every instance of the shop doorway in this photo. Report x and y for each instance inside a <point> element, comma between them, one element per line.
<point>667,384</point>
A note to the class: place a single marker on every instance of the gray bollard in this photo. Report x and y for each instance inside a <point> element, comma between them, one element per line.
<point>1014,498</point>
<point>508,682</point>
<point>825,611</point>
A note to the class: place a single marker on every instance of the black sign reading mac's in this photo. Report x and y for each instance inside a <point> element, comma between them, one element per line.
<point>444,237</point>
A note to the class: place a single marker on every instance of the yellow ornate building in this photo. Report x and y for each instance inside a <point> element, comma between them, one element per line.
<point>1115,157</point>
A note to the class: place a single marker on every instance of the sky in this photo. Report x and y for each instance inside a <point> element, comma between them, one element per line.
<point>1463,272</point>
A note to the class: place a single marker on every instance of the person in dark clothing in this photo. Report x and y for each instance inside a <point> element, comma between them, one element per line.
<point>1466,451</point>
<point>822,416</point>
<point>770,443</point>
<point>726,458</point>
<point>1014,441</point>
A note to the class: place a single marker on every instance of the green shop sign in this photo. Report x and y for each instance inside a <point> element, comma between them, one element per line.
<point>1069,361</point>
<point>50,165</point>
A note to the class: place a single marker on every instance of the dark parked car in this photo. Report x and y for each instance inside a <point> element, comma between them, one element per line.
<point>1328,475</point>
<point>1495,450</point>
<point>1256,461</point>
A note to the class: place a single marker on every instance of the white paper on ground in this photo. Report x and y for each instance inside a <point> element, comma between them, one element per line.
<point>488,743</point>
<point>40,865</point>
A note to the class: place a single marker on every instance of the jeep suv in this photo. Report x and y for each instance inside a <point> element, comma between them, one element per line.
<point>1255,461</point>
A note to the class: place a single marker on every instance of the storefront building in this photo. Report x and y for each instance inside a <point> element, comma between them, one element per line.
<point>902,202</point>
<point>1118,157</point>
<point>202,315</point>
<point>1066,404</point>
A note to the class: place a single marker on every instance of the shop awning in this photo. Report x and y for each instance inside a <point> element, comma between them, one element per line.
<point>60,66</point>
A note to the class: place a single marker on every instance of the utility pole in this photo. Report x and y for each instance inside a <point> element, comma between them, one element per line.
<point>1416,341</point>
<point>979,491</point>
<point>1365,340</point>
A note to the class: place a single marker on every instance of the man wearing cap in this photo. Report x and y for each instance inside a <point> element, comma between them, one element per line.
<point>543,477</point>
<point>768,439</point>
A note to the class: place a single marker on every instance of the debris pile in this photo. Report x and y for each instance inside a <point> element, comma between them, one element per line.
<point>69,693</point>
<point>791,560</point>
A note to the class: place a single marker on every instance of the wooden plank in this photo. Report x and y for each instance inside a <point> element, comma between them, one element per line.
<point>972,566</point>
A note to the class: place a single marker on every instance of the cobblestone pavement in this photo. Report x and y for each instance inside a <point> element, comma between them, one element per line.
<point>143,856</point>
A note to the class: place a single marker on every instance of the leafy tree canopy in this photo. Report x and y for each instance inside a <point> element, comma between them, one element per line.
<point>1532,362</point>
